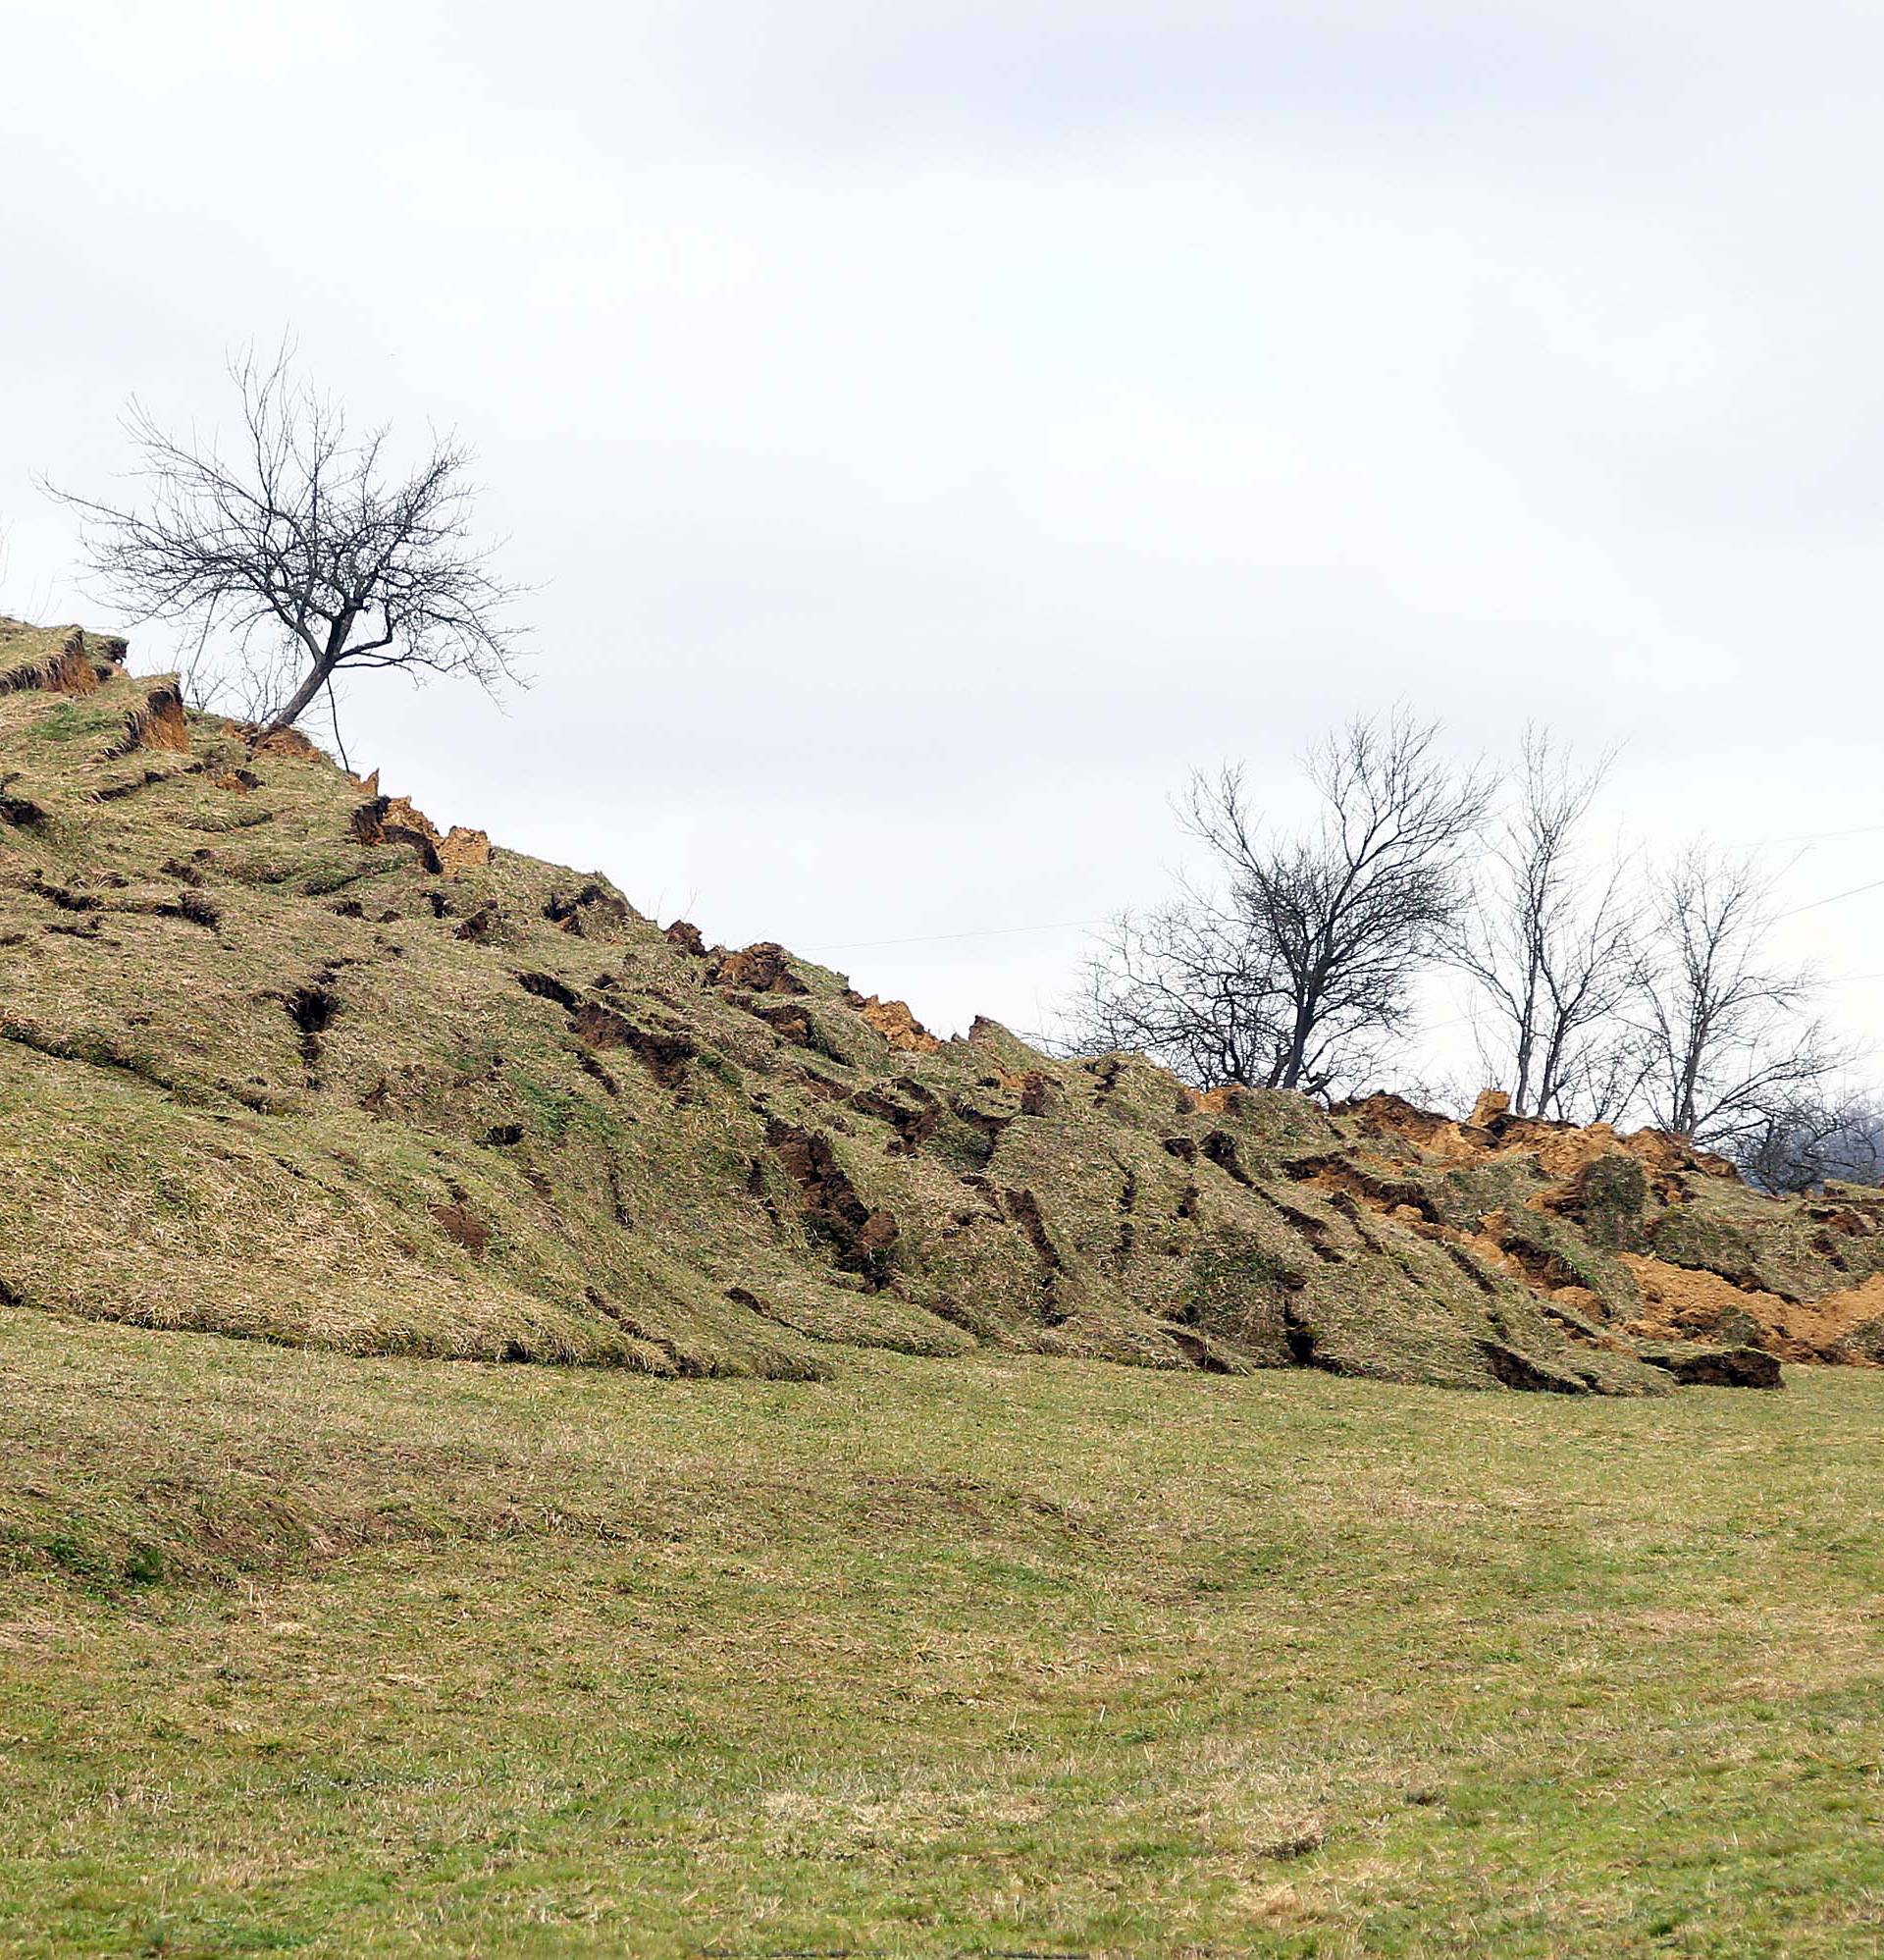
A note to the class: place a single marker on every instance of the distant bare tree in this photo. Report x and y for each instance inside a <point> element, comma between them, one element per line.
<point>309,553</point>
<point>1729,1041</point>
<point>1190,985</point>
<point>1300,975</point>
<point>1547,937</point>
<point>1354,907</point>
<point>1813,1142</point>
<point>1604,1078</point>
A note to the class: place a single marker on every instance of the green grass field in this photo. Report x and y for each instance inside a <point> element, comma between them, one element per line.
<point>303,1653</point>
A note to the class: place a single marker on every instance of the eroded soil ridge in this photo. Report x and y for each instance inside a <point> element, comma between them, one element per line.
<point>280,1057</point>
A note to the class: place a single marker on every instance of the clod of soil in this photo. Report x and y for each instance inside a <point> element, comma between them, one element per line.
<point>761,969</point>
<point>900,1028</point>
<point>157,723</point>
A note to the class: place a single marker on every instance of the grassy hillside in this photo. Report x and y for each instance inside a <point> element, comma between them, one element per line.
<point>279,1060</point>
<point>333,1656</point>
<point>320,1631</point>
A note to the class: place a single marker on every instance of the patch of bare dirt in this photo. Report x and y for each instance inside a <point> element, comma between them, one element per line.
<point>160,723</point>
<point>593,912</point>
<point>462,1227</point>
<point>830,1202</point>
<point>900,1028</point>
<point>1033,1088</point>
<point>462,850</point>
<point>397,819</point>
<point>69,670</point>
<point>1384,1115</point>
<point>288,743</point>
<point>67,666</point>
<point>1680,1301</point>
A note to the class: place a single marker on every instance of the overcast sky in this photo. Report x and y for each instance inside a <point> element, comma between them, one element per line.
<point>934,428</point>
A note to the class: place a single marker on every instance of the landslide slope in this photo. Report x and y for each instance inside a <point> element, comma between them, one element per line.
<point>279,1060</point>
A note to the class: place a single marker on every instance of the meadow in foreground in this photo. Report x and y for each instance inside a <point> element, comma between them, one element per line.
<point>314,1654</point>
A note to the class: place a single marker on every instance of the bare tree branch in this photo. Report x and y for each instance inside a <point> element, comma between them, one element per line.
<point>1190,985</point>
<point>1352,908</point>
<point>1811,1142</point>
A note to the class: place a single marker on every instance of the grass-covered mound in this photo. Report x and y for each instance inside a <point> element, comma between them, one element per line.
<point>278,1059</point>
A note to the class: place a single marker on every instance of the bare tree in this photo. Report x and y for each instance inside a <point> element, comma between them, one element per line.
<point>1603,1080</point>
<point>309,555</point>
<point>1729,1041</point>
<point>1808,1143</point>
<point>1547,938</point>
<point>1354,906</point>
<point>1190,985</point>
<point>1300,975</point>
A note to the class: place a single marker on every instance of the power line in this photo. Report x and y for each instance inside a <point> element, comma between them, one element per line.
<point>931,939</point>
<point>1086,924</point>
<point>1876,884</point>
<point>1820,836</point>
<point>1437,1027</point>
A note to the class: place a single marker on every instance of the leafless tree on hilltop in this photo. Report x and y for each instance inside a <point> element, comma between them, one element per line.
<point>1728,1040</point>
<point>303,554</point>
<point>1548,939</point>
<point>1192,984</point>
<point>1300,974</point>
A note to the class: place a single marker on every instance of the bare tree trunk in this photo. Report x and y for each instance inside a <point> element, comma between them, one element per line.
<point>1298,975</point>
<point>1527,1036</point>
<point>302,697</point>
